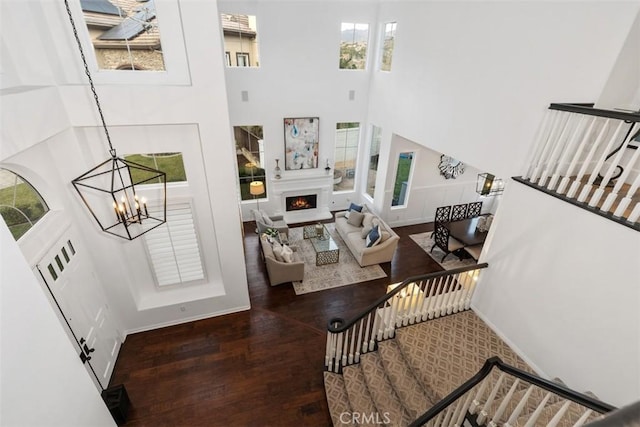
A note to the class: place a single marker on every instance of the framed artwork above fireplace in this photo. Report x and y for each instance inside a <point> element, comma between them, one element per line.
<point>301,143</point>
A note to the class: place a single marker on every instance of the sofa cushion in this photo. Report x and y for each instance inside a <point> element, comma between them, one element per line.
<point>374,236</point>
<point>277,251</point>
<point>355,218</point>
<point>367,220</point>
<point>287,254</point>
<point>267,250</point>
<point>384,236</point>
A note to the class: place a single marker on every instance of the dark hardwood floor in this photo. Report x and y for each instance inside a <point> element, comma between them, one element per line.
<point>261,367</point>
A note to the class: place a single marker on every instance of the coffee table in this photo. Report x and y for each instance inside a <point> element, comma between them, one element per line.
<point>327,251</point>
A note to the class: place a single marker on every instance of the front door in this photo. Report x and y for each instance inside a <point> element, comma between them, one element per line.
<point>77,296</point>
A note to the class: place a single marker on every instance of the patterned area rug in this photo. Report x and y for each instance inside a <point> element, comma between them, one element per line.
<point>318,278</point>
<point>451,261</point>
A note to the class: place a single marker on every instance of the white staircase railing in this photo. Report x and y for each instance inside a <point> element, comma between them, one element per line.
<point>591,158</point>
<point>501,395</point>
<point>413,301</point>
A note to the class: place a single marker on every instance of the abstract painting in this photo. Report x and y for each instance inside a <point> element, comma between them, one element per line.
<point>301,143</point>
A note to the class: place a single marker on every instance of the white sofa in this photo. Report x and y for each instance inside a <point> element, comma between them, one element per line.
<point>355,238</point>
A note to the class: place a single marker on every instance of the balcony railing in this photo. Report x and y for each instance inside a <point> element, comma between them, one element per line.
<point>589,157</point>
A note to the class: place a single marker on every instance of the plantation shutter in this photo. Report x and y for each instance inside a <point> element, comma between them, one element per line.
<point>173,248</point>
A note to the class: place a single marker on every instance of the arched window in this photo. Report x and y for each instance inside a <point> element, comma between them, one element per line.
<point>21,206</point>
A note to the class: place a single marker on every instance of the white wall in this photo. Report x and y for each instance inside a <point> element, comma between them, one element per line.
<point>51,133</point>
<point>298,76</point>
<point>623,86</point>
<point>429,189</point>
<point>43,380</point>
<point>472,79</point>
<point>562,287</point>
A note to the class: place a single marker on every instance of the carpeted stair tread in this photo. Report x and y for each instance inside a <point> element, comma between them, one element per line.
<point>382,392</point>
<point>359,396</point>
<point>337,397</point>
<point>443,353</point>
<point>414,398</point>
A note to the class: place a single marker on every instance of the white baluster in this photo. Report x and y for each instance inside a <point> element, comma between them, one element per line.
<point>609,173</point>
<point>635,214</point>
<point>352,344</point>
<point>472,287</point>
<point>541,139</point>
<point>484,413</point>
<point>443,296</point>
<point>475,404</point>
<point>569,149</point>
<point>533,418</point>
<point>576,156</point>
<point>448,413</point>
<point>465,408</point>
<point>338,349</point>
<point>459,403</point>
<point>622,179</point>
<point>390,319</point>
<point>345,347</point>
<point>328,358</point>
<point>558,416</point>
<point>594,173</point>
<point>559,145</point>
<point>583,419</point>
<point>438,419</point>
<point>374,331</point>
<point>422,297</point>
<point>434,298</point>
<point>626,200</point>
<point>587,161</point>
<point>503,405</point>
<point>557,129</point>
<point>519,407</point>
<point>359,343</point>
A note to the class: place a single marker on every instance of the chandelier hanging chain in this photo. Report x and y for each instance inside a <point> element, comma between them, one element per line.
<point>112,151</point>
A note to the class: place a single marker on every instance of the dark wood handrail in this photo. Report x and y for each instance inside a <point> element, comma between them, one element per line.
<point>338,324</point>
<point>486,369</point>
<point>589,110</point>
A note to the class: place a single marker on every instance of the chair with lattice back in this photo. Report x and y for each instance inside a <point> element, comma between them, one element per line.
<point>442,214</point>
<point>474,209</point>
<point>446,243</point>
<point>459,212</point>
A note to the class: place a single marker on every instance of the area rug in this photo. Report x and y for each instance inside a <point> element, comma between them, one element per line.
<point>318,278</point>
<point>451,261</point>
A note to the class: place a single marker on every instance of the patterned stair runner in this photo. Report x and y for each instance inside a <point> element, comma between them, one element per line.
<point>425,362</point>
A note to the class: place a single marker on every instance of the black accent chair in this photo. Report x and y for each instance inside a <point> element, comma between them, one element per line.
<point>474,209</point>
<point>443,213</point>
<point>445,242</point>
<point>459,212</point>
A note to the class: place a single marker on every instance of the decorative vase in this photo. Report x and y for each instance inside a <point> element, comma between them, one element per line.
<point>319,231</point>
<point>277,172</point>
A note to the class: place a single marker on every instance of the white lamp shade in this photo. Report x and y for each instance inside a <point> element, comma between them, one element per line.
<point>256,188</point>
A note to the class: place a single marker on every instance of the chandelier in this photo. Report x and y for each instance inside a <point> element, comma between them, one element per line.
<point>109,189</point>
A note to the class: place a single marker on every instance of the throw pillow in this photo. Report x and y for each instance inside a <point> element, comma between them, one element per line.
<point>374,236</point>
<point>287,254</point>
<point>266,219</point>
<point>367,221</point>
<point>365,232</point>
<point>354,207</point>
<point>277,251</point>
<point>355,218</point>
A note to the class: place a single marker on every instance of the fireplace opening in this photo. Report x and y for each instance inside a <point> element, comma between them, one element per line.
<point>298,203</point>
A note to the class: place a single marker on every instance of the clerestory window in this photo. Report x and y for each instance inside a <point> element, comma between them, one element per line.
<point>125,34</point>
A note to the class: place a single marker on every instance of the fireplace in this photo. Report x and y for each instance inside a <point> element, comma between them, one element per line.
<point>299,203</point>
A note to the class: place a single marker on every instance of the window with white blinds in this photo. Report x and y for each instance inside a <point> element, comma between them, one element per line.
<point>173,248</point>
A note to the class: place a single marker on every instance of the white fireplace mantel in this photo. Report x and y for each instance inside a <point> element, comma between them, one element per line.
<point>303,183</point>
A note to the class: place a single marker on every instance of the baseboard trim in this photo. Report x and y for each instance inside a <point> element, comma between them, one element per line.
<point>510,343</point>
<point>185,320</point>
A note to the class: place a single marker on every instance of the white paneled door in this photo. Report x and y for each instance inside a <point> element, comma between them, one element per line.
<point>77,296</point>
